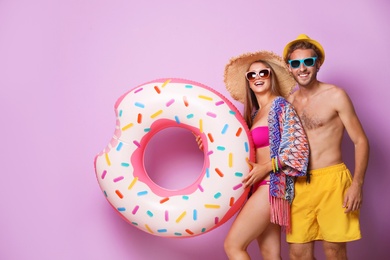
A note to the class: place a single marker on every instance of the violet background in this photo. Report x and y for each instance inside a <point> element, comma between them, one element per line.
<point>63,64</point>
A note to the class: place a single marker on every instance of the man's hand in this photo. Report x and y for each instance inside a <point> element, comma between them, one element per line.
<point>353,198</point>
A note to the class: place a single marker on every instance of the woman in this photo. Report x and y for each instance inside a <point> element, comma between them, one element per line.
<point>261,81</point>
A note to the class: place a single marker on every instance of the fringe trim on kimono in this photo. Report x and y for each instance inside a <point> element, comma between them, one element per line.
<point>280,213</point>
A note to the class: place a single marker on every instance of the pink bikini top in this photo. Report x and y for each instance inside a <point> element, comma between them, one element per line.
<point>260,136</point>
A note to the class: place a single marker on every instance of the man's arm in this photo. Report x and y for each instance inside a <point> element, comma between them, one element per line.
<point>353,197</point>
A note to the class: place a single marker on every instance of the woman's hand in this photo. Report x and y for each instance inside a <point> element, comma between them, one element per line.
<point>257,173</point>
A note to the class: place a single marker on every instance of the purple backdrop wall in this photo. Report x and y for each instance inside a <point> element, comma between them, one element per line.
<point>64,63</point>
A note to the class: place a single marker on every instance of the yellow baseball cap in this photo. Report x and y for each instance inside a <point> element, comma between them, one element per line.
<point>304,38</point>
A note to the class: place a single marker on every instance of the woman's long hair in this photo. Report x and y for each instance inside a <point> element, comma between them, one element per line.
<point>250,104</point>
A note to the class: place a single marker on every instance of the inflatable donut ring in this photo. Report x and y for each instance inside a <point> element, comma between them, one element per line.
<point>218,192</point>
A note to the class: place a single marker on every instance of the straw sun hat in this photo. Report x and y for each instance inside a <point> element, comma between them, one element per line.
<point>235,70</point>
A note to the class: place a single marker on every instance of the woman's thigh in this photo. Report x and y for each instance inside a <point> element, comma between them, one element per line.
<point>252,220</point>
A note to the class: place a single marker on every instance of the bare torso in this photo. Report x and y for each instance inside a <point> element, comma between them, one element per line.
<point>318,112</point>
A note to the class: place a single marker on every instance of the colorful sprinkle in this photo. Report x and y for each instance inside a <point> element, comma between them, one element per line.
<point>237,186</point>
<point>132,183</point>
<point>165,83</point>
<point>205,97</point>
<point>231,202</point>
<point>185,100</point>
<point>162,230</point>
<point>164,200</point>
<point>156,114</point>
<point>118,178</point>
<point>148,228</point>
<point>195,214</point>
<point>210,137</point>
<point>166,216</point>
<point>239,174</point>
<point>201,125</point>
<point>150,214</point>
<point>189,116</point>
<point>119,147</point>
<point>208,172</point>
<point>182,215</point>
<point>211,114</point>
<point>177,119</point>
<point>219,103</point>
<point>120,195</point>
<point>127,126</point>
<point>137,104</point>
<point>122,209</point>
<point>170,102</point>
<point>157,89</point>
<point>219,172</point>
<point>185,198</point>
<point>124,164</point>
<point>217,195</point>
<point>107,159</point>
<point>139,119</point>
<point>104,174</point>
<point>210,152</point>
<point>135,210</point>
<point>238,133</point>
<point>137,143</point>
<point>212,206</point>
<point>230,160</point>
<point>246,147</point>
<point>200,188</point>
<point>188,86</point>
<point>221,148</point>
<point>120,113</point>
<point>138,90</point>
<point>216,220</point>
<point>189,232</point>
<point>177,234</point>
<point>225,128</point>
<point>142,193</point>
<point>232,112</point>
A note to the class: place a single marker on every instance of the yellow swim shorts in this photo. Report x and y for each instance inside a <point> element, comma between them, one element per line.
<point>317,211</point>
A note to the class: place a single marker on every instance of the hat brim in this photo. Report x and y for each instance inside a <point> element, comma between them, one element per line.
<point>235,70</point>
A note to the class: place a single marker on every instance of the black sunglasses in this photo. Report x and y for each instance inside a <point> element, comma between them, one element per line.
<point>308,62</point>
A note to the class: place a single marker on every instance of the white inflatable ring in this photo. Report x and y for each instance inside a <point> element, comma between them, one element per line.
<point>218,192</point>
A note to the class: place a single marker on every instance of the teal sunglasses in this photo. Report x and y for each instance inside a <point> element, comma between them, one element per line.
<point>308,62</point>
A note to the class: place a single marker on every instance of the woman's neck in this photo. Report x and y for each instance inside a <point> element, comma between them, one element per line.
<point>265,101</point>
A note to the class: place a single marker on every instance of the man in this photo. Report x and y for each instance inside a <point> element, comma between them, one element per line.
<point>327,208</point>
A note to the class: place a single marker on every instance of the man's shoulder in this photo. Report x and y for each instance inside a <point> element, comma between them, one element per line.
<point>327,87</point>
<point>332,91</point>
